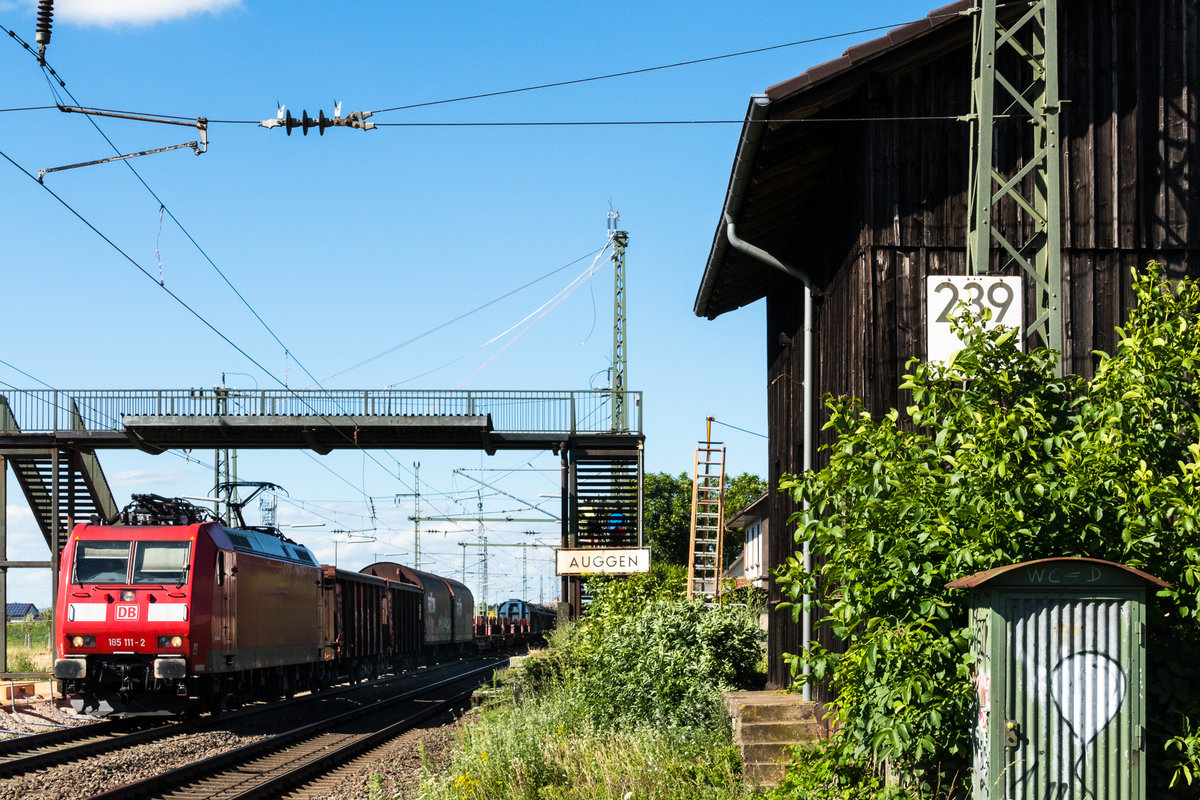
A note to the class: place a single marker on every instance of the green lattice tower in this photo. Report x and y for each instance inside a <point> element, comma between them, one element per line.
<point>1033,39</point>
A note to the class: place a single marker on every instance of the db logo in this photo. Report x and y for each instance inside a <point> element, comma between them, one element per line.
<point>127,612</point>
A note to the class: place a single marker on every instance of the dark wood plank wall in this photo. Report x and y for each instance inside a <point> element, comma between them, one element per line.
<point>894,212</point>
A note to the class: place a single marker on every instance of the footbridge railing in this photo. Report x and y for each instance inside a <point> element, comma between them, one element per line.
<point>531,411</point>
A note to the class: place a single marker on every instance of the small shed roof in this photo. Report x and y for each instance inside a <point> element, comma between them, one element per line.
<point>759,509</point>
<point>980,578</point>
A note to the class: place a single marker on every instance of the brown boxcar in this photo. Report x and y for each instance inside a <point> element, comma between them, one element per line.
<point>449,607</point>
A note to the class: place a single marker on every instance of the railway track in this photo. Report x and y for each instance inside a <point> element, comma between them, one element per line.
<point>41,750</point>
<point>287,761</point>
<point>53,761</point>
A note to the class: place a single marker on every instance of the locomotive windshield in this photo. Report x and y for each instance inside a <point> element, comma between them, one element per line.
<point>101,562</point>
<point>161,562</point>
<point>153,562</point>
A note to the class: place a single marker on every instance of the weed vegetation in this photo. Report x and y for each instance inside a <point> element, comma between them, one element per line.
<point>623,704</point>
<point>28,646</point>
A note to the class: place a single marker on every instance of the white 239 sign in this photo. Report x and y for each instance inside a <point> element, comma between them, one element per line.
<point>947,296</point>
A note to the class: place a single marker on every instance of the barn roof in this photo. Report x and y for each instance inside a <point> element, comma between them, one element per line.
<point>777,162</point>
<point>20,610</point>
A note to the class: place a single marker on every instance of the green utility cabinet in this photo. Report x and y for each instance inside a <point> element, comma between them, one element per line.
<point>1059,650</point>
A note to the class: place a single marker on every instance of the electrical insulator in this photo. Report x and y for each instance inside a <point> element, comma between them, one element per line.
<point>45,16</point>
<point>323,122</point>
<point>284,119</point>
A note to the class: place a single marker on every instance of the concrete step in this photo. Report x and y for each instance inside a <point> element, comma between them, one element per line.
<point>766,726</point>
<point>787,732</point>
<point>763,775</point>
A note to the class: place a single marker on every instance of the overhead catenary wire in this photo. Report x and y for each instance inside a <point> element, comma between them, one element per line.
<point>584,80</point>
<point>204,254</point>
<point>187,456</point>
<point>658,68</point>
<point>185,305</point>
<point>549,306</point>
<point>569,289</point>
<point>183,302</point>
<point>461,316</point>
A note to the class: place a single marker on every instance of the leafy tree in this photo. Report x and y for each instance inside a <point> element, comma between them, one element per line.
<point>998,461</point>
<point>668,511</point>
<point>667,506</point>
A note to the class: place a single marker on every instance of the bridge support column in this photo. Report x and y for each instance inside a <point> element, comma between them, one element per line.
<point>3,559</point>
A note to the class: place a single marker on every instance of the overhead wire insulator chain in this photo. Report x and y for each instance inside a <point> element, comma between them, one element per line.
<point>45,19</point>
<point>284,119</point>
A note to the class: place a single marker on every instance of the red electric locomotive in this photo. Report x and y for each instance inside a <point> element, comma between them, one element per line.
<point>158,618</point>
<point>171,611</point>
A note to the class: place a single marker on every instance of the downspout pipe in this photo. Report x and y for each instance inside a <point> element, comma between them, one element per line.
<point>807,401</point>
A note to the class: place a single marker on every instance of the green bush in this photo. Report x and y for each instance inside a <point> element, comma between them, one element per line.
<point>624,703</point>
<point>668,663</point>
<point>999,461</point>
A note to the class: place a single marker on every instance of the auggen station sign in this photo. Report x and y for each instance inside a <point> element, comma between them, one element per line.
<point>602,560</point>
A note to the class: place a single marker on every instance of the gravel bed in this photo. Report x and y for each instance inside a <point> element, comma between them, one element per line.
<point>36,716</point>
<point>398,769</point>
<point>395,772</point>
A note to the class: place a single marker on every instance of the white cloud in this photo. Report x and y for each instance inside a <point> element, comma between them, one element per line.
<point>25,539</point>
<point>141,479</point>
<point>134,12</point>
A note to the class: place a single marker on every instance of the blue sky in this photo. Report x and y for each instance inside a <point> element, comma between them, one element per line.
<point>352,243</point>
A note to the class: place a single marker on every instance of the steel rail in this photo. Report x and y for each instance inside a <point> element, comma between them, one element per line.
<point>27,754</point>
<point>183,781</point>
<point>58,747</point>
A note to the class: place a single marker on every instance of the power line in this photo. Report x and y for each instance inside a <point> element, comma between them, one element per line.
<point>204,254</point>
<point>571,82</point>
<point>197,315</point>
<point>187,456</point>
<point>736,428</point>
<point>654,122</point>
<point>658,68</point>
<point>461,317</point>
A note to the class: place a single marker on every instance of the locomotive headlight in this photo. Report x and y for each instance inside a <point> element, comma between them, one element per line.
<point>170,641</point>
<point>127,596</point>
<point>83,641</point>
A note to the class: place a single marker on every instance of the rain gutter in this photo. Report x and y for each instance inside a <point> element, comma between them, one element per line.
<point>740,178</point>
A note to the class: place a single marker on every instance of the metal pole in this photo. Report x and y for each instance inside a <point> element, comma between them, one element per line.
<point>417,514</point>
<point>641,495</point>
<point>525,573</point>
<point>4,557</point>
<point>55,549</point>
<point>564,480</point>
<point>983,86</point>
<point>620,366</point>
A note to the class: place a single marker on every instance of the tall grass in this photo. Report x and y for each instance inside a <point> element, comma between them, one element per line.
<point>546,749</point>
<point>625,704</point>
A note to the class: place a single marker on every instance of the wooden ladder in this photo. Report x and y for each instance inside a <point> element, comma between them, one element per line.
<point>708,521</point>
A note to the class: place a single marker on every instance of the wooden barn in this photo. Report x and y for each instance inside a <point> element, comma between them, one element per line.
<point>854,177</point>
